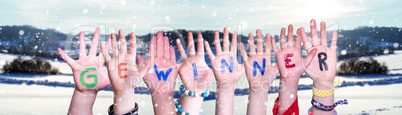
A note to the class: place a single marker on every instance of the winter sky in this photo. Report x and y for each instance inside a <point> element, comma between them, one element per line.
<point>141,16</point>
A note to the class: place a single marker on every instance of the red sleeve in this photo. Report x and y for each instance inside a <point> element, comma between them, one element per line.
<point>292,110</point>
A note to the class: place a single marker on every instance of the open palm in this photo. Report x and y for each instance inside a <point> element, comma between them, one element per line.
<point>323,67</point>
<point>194,71</point>
<point>290,62</point>
<point>88,71</point>
<point>225,65</point>
<point>161,77</point>
<point>259,71</point>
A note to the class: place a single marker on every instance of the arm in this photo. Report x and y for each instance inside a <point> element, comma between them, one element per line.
<point>194,73</point>
<point>89,75</point>
<point>161,77</point>
<point>291,67</point>
<point>323,78</point>
<point>260,73</point>
<point>123,71</point>
<point>227,71</point>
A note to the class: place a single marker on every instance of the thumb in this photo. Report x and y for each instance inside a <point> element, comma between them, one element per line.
<point>309,58</point>
<point>140,60</point>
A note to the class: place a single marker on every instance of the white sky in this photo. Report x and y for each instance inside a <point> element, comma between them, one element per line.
<point>140,16</point>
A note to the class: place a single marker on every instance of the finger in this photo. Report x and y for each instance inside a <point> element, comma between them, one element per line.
<point>243,53</point>
<point>260,49</point>
<point>104,52</point>
<point>217,43</point>
<point>172,55</point>
<point>209,52</point>
<point>67,58</point>
<point>200,45</point>
<point>166,54</point>
<point>133,44</point>
<point>309,58</point>
<point>82,46</point>
<point>306,41</point>
<point>123,43</point>
<point>283,38</point>
<point>151,50</point>
<point>290,36</point>
<point>190,41</point>
<point>314,35</point>
<point>114,46</point>
<point>225,40</point>
<point>323,31</point>
<point>334,40</point>
<point>94,45</point>
<point>274,46</point>
<point>298,39</point>
<point>101,60</point>
<point>233,47</point>
<point>182,53</point>
<point>274,72</point>
<point>251,44</point>
<point>268,44</point>
<point>159,44</point>
<point>140,60</point>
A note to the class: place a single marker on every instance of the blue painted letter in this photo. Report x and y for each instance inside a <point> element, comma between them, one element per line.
<point>262,70</point>
<point>161,74</point>
<point>195,72</point>
<point>224,63</point>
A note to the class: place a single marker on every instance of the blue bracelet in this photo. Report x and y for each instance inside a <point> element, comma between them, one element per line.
<point>179,109</point>
<point>191,93</point>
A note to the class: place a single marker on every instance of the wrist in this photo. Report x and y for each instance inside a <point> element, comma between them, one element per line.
<point>323,85</point>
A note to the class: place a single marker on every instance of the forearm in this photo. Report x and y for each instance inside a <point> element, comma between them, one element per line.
<point>287,93</point>
<point>324,100</point>
<point>190,104</point>
<point>163,104</point>
<point>82,102</point>
<point>257,102</point>
<point>123,102</point>
<point>225,99</point>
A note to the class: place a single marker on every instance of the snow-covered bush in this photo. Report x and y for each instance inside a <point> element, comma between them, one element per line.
<point>362,66</point>
<point>34,66</point>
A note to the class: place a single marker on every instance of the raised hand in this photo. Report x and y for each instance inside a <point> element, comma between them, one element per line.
<point>88,73</point>
<point>323,67</point>
<point>161,77</point>
<point>123,71</point>
<point>194,73</point>
<point>226,68</point>
<point>227,71</point>
<point>259,71</point>
<point>291,66</point>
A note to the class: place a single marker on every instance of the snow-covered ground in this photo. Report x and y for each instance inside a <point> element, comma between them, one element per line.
<point>34,99</point>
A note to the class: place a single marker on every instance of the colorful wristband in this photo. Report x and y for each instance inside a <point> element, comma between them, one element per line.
<point>323,107</point>
<point>323,93</point>
<point>179,109</point>
<point>194,94</point>
<point>311,113</point>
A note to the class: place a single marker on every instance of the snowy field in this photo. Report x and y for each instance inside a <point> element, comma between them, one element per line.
<point>38,99</point>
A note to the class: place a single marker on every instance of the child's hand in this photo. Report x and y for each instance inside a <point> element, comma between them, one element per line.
<point>323,67</point>
<point>194,71</point>
<point>226,68</point>
<point>88,71</point>
<point>161,77</point>
<point>123,71</point>
<point>259,71</point>
<point>291,64</point>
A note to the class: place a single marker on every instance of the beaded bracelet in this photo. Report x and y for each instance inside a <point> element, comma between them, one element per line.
<point>323,93</point>
<point>311,113</point>
<point>323,107</point>
<point>179,109</point>
<point>191,93</point>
